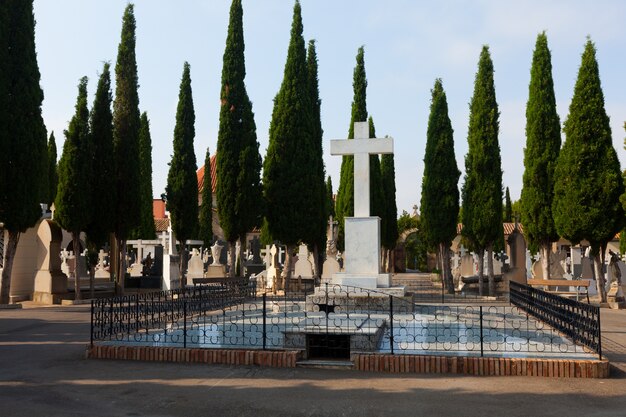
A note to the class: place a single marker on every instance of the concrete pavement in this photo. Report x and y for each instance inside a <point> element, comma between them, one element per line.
<point>43,373</point>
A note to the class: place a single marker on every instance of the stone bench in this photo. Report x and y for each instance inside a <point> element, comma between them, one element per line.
<point>546,284</point>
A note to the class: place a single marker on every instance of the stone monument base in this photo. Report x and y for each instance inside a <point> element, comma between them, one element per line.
<point>368,281</point>
<point>215,271</point>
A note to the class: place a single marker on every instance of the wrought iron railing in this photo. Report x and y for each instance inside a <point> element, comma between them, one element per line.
<point>332,322</point>
<point>576,320</point>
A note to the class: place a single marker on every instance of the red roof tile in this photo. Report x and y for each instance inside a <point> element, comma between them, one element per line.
<point>200,175</point>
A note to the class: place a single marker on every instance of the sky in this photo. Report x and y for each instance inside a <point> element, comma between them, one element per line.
<point>408,44</point>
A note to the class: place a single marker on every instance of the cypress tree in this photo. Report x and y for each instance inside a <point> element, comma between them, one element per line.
<point>440,192</point>
<point>344,206</point>
<point>102,190</point>
<point>508,207</point>
<point>377,203</point>
<point>239,192</point>
<point>390,219</point>
<point>73,205</point>
<point>22,132</point>
<point>543,142</point>
<point>288,150</point>
<point>53,177</point>
<point>588,178</point>
<point>482,190</point>
<point>330,201</point>
<point>146,229</point>
<point>182,184</point>
<point>316,206</point>
<point>206,207</point>
<point>126,141</point>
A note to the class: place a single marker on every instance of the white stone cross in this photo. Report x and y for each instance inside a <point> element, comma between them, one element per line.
<point>361,147</point>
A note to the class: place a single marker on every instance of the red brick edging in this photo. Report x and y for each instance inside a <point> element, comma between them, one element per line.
<point>269,358</point>
<point>560,368</point>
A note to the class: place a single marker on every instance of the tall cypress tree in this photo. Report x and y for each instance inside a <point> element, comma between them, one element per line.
<point>182,184</point>
<point>508,206</point>
<point>377,203</point>
<point>126,140</point>
<point>330,201</point>
<point>344,206</point>
<point>239,192</point>
<point>482,190</point>
<point>102,189</point>
<point>588,182</point>
<point>22,132</point>
<point>53,177</point>
<point>288,150</point>
<point>543,143</point>
<point>440,192</point>
<point>146,229</point>
<point>206,207</point>
<point>316,205</point>
<point>73,205</point>
<point>390,219</point>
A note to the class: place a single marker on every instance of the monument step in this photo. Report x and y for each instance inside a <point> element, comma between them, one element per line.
<point>325,364</point>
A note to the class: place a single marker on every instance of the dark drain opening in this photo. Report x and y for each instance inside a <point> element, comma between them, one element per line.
<point>328,346</point>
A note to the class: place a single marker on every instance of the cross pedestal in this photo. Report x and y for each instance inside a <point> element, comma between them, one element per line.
<point>362,232</point>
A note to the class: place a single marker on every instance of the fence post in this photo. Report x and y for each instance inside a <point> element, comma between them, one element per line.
<point>91,325</point>
<point>264,319</point>
<point>599,335</point>
<point>391,322</point>
<point>184,322</point>
<point>481,332</point>
<point>111,319</point>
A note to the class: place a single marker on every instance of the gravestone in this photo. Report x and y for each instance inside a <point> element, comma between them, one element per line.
<point>254,265</point>
<point>216,269</point>
<point>273,270</point>
<point>101,267</point>
<point>50,282</point>
<point>362,232</point>
<point>517,257</point>
<point>467,267</point>
<point>195,267</point>
<point>303,266</point>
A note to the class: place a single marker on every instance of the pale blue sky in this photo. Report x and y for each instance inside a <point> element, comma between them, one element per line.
<point>407,45</point>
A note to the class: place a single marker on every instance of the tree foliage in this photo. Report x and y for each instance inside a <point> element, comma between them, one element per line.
<point>206,206</point>
<point>588,183</point>
<point>440,192</point>
<point>146,229</point>
<point>543,142</point>
<point>22,132</point>
<point>288,152</point>
<point>102,189</point>
<point>23,135</point>
<point>126,126</point>
<point>53,176</point>
<point>330,201</point>
<point>377,197</point>
<point>73,205</point>
<point>239,192</point>
<point>482,189</point>
<point>182,184</point>
<point>344,205</point>
<point>316,204</point>
<point>508,207</point>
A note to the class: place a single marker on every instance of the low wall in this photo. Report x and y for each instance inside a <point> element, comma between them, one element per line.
<point>559,368</point>
<point>415,364</point>
<point>267,358</point>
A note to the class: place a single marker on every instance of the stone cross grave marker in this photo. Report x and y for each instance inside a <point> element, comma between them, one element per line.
<point>361,147</point>
<point>362,232</point>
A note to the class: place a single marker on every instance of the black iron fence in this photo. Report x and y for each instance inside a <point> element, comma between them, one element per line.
<point>576,320</point>
<point>330,323</point>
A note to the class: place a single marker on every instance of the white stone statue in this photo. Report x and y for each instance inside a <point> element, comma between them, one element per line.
<point>216,251</point>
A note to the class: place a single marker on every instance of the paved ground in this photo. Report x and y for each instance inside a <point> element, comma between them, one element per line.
<point>43,373</point>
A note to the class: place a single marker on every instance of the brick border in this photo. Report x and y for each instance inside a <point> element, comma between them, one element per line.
<point>267,358</point>
<point>414,364</point>
<point>558,368</point>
